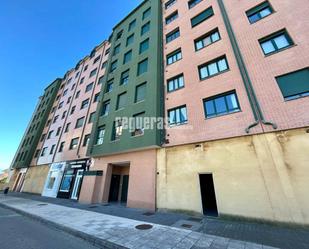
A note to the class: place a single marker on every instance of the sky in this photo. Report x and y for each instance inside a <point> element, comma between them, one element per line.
<point>39,41</point>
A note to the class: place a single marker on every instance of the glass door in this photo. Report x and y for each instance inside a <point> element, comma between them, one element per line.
<point>77,184</point>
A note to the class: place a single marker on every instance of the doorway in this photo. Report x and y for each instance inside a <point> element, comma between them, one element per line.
<point>77,184</point>
<point>208,195</point>
<point>119,184</point>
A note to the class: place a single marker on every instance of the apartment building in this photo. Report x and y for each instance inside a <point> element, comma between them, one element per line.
<point>26,149</point>
<point>236,81</point>
<point>232,81</point>
<point>132,89</point>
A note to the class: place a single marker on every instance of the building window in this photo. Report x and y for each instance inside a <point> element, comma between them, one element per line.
<point>61,147</point>
<point>259,12</point>
<point>91,117</point>
<point>202,17</point>
<point>132,25</point>
<point>96,59</point>
<point>89,87</point>
<point>207,39</point>
<point>82,80</point>
<point>101,79</point>
<point>119,35</point>
<point>107,51</point>
<point>109,86</point>
<point>140,92</point>
<point>104,65</point>
<point>124,80</point>
<point>144,46</point>
<point>130,40</point>
<point>142,67</point>
<point>212,68</point>
<point>64,114</point>
<point>192,3</point>
<point>171,17</point>
<point>84,104</point>
<point>37,153</point>
<point>220,105</point>
<point>96,98</point>
<point>100,135</point>
<point>113,66</point>
<point>43,153</point>
<point>69,100</point>
<point>173,57</point>
<point>52,149</point>
<point>79,122</point>
<point>93,72</point>
<point>121,100</point>
<point>60,105</point>
<point>276,42</point>
<point>145,28</point>
<point>55,119</point>
<point>73,86</point>
<point>58,131</point>
<point>117,130</point>
<point>72,110</point>
<point>105,109</point>
<point>146,13</point>
<point>65,92</point>
<point>127,57</point>
<point>294,85</point>
<point>43,137</point>
<point>77,94</point>
<point>74,143</point>
<point>177,116</point>
<point>138,126</point>
<point>175,83</point>
<point>86,140</point>
<point>116,50</point>
<point>169,4</point>
<point>67,127</point>
<point>172,35</point>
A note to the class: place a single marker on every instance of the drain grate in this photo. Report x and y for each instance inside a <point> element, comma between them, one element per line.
<point>148,213</point>
<point>42,204</point>
<point>143,227</point>
<point>195,219</point>
<point>186,225</point>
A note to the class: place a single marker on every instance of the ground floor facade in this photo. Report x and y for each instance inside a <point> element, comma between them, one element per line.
<point>262,177</point>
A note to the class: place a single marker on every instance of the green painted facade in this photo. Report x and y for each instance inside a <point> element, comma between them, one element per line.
<point>141,24</point>
<point>35,127</point>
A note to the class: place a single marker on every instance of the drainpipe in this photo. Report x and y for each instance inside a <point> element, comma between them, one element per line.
<point>254,103</point>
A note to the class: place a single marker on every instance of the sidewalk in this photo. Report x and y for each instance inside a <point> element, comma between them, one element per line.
<point>108,231</point>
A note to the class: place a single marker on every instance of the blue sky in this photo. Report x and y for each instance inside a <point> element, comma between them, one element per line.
<point>39,41</point>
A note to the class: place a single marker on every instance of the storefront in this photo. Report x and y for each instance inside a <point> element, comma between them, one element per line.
<point>72,179</point>
<point>53,179</point>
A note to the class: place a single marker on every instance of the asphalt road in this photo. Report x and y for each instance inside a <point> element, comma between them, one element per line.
<point>20,232</point>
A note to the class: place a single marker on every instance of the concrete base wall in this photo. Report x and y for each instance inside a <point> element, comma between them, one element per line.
<point>142,179</point>
<point>35,179</point>
<point>260,176</point>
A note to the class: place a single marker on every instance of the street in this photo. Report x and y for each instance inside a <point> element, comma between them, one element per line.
<point>19,232</point>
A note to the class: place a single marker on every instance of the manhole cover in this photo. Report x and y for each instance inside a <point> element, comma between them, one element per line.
<point>148,213</point>
<point>143,227</point>
<point>186,225</point>
<point>42,204</point>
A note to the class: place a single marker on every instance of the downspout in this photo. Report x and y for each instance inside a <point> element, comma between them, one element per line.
<point>254,103</point>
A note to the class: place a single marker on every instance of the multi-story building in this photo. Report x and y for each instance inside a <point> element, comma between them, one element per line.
<point>233,82</point>
<point>26,149</point>
<point>236,80</point>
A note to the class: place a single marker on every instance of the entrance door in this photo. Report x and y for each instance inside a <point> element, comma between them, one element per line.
<point>114,188</point>
<point>124,190</point>
<point>208,195</point>
<point>77,184</point>
<point>66,184</point>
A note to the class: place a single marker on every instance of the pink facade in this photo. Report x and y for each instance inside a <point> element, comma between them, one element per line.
<point>72,93</point>
<point>262,69</point>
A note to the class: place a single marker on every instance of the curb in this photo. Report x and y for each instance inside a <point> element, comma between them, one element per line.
<point>101,243</point>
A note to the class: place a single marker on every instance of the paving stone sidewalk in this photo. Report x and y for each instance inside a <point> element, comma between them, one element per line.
<point>109,231</point>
